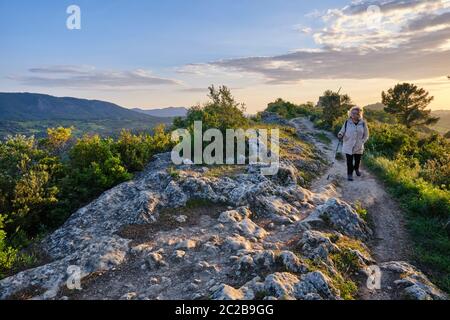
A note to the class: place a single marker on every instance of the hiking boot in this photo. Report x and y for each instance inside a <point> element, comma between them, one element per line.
<point>350,177</point>
<point>358,173</point>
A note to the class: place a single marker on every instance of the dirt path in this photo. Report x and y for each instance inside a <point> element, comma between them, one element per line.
<point>391,242</point>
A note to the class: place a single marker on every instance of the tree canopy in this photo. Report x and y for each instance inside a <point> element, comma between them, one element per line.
<point>409,104</point>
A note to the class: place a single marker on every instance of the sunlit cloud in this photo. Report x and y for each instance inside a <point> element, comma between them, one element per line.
<point>399,40</point>
<point>91,78</point>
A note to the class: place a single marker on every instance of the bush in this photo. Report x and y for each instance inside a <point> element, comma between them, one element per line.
<point>7,253</point>
<point>135,151</point>
<point>221,112</point>
<point>57,139</point>
<point>95,165</point>
<point>334,106</point>
<point>289,110</point>
<point>27,184</point>
<point>392,140</point>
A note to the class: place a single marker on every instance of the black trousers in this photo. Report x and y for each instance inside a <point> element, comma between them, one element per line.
<point>353,162</point>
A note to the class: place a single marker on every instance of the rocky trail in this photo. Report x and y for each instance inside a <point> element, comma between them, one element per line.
<point>386,218</point>
<point>185,233</point>
<point>390,241</point>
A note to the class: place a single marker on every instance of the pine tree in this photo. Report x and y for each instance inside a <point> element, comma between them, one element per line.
<point>408,103</point>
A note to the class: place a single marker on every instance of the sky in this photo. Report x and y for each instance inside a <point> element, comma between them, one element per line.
<point>154,53</point>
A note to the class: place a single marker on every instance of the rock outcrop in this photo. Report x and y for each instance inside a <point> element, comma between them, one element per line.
<point>410,282</point>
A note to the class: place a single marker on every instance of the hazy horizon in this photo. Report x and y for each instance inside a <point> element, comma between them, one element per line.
<point>148,55</point>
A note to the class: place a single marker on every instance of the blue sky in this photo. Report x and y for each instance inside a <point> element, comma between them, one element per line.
<point>154,34</point>
<point>160,53</point>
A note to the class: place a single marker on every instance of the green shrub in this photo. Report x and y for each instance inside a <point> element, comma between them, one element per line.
<point>7,253</point>
<point>27,185</point>
<point>221,112</point>
<point>289,110</point>
<point>392,140</point>
<point>335,106</point>
<point>95,166</point>
<point>134,150</point>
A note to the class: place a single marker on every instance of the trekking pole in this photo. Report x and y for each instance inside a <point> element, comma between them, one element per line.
<point>337,149</point>
<point>335,156</point>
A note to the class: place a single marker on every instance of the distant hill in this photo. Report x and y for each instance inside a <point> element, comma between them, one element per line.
<point>32,114</point>
<point>164,112</point>
<point>443,126</point>
<point>32,106</point>
<point>375,107</point>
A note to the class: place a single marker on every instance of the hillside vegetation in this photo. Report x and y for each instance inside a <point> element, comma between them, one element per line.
<point>42,181</point>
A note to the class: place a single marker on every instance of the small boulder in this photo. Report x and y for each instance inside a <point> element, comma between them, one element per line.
<point>412,283</point>
<point>292,263</point>
<point>316,245</point>
<point>186,244</point>
<point>155,260</point>
<point>315,286</point>
<point>225,292</point>
<point>236,243</point>
<point>343,218</point>
<point>265,259</point>
<point>281,285</point>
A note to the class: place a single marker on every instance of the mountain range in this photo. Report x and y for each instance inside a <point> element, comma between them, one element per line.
<point>32,106</point>
<point>32,114</point>
<point>164,112</point>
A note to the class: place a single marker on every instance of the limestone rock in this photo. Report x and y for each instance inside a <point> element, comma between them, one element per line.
<point>281,285</point>
<point>341,216</point>
<point>226,292</point>
<point>292,263</point>
<point>315,286</point>
<point>316,245</point>
<point>412,283</point>
<point>237,242</point>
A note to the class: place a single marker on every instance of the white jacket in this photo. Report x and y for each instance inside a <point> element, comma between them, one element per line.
<point>354,136</point>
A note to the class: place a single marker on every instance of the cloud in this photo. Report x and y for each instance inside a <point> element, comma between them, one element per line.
<point>194,90</point>
<point>302,29</point>
<point>204,90</point>
<point>89,77</point>
<point>395,39</point>
<point>430,21</point>
<point>63,69</point>
<point>376,24</point>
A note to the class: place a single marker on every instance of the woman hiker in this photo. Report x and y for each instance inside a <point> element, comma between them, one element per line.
<point>355,134</point>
